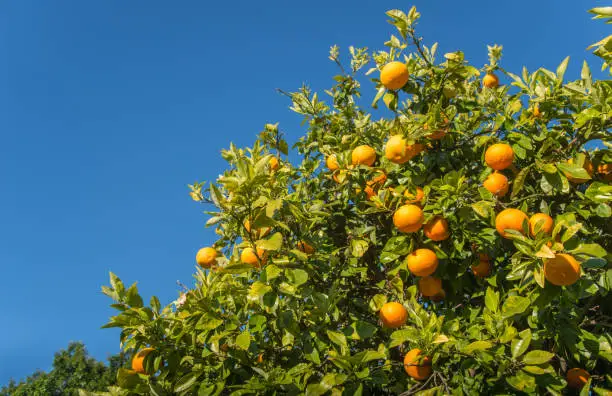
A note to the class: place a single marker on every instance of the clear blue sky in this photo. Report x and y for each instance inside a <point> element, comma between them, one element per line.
<point>109,108</point>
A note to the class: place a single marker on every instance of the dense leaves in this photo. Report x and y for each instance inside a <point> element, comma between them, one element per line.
<point>298,314</point>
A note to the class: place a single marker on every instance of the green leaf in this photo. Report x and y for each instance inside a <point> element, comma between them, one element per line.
<point>337,338</point>
<point>186,382</point>
<point>492,300</point>
<point>297,276</point>
<point>603,210</point>
<point>561,70</point>
<point>358,247</point>
<point>273,243</point>
<point>377,302</point>
<point>514,305</point>
<point>477,346</point>
<point>398,337</point>
<point>237,268</point>
<point>243,341</point>
<point>539,370</point>
<point>128,379</point>
<point>599,192</point>
<point>208,322</point>
<point>574,170</point>
<point>537,357</point>
<point>519,181</point>
<point>590,250</point>
<point>522,382</point>
<point>594,263</point>
<point>520,345</point>
<point>483,208</point>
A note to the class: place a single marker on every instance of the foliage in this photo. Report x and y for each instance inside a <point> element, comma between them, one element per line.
<point>73,370</point>
<point>307,323</point>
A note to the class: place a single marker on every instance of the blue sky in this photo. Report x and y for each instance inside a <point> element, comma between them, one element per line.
<point>108,109</point>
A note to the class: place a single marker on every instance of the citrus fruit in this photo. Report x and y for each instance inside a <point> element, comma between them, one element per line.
<point>138,360</point>
<point>499,156</point>
<point>577,377</point>
<point>332,162</point>
<point>363,155</point>
<point>206,257</point>
<point>562,270</point>
<point>496,184</point>
<point>510,219</point>
<point>437,229</point>
<point>274,164</point>
<point>430,286</point>
<point>394,75</point>
<point>482,269</point>
<point>417,365</point>
<point>400,152</point>
<point>540,222</point>
<point>393,315</point>
<point>490,80</point>
<point>305,247</point>
<point>408,218</point>
<point>248,256</point>
<point>422,262</point>
<point>413,196</point>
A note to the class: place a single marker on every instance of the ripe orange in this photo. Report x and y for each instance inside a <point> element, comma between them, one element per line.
<point>541,222</point>
<point>437,229</point>
<point>587,165</point>
<point>416,365</point>
<point>363,155</point>
<point>375,183</point>
<point>408,218</point>
<point>206,257</point>
<point>605,170</point>
<point>536,110</point>
<point>422,262</point>
<point>499,156</point>
<point>497,184</point>
<point>414,197</point>
<point>332,162</point>
<point>248,256</point>
<point>510,219</point>
<point>138,360</point>
<point>305,247</point>
<point>562,270</point>
<point>394,75</point>
<point>490,80</point>
<point>400,152</point>
<point>430,286</point>
<point>577,377</point>
<point>393,315</point>
<point>274,164</point>
<point>483,268</point>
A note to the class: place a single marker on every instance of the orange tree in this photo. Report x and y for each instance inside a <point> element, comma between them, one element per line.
<point>458,245</point>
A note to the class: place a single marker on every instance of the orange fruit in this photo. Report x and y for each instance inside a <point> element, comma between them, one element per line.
<point>437,229</point>
<point>408,218</point>
<point>562,270</point>
<point>587,165</point>
<point>375,183</point>
<point>499,156</point>
<point>206,257</point>
<point>274,164</point>
<point>510,219</point>
<point>417,365</point>
<point>543,221</point>
<point>138,360</point>
<point>415,197</point>
<point>400,152</point>
<point>363,155</point>
<point>393,315</point>
<point>605,170</point>
<point>248,256</point>
<point>430,286</point>
<point>536,110</point>
<point>260,358</point>
<point>305,247</point>
<point>490,80</point>
<point>394,75</point>
<point>496,184</point>
<point>577,377</point>
<point>332,162</point>
<point>422,262</point>
<point>482,269</point>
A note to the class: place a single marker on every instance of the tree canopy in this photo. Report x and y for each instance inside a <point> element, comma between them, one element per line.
<point>456,241</point>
